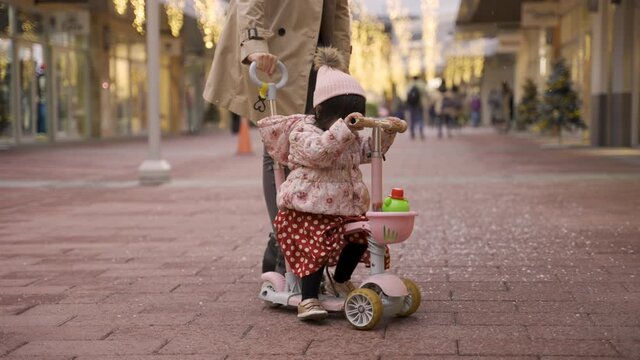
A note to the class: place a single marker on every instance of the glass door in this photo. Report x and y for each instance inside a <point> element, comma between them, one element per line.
<point>32,92</point>
<point>138,89</point>
<point>7,127</point>
<point>6,119</point>
<point>69,93</point>
<point>165,95</point>
<point>194,86</point>
<point>120,90</point>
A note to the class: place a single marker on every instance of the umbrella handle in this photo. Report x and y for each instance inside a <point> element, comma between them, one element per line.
<point>283,70</point>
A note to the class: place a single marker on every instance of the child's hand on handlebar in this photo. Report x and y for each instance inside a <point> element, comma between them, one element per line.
<point>352,116</point>
<point>264,62</point>
<point>396,121</point>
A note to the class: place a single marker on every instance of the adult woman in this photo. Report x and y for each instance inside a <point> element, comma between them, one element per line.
<point>265,31</point>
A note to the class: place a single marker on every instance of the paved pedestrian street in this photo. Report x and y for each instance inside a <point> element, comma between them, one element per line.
<point>522,252</point>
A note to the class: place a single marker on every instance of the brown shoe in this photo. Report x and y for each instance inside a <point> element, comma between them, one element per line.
<point>311,309</point>
<point>339,290</point>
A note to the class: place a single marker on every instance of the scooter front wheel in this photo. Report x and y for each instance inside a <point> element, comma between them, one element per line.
<point>411,301</point>
<point>363,309</point>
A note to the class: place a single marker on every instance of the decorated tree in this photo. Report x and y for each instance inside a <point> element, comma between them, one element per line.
<point>561,107</point>
<point>529,108</point>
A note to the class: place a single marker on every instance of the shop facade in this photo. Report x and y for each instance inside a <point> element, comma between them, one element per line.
<point>44,78</point>
<point>600,42</point>
<point>78,71</point>
<point>549,31</point>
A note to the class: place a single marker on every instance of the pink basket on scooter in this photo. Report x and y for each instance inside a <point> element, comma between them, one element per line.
<point>391,227</point>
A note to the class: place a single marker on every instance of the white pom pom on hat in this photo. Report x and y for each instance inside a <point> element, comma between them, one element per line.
<point>331,80</point>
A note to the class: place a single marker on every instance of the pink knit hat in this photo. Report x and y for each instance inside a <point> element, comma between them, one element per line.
<point>332,80</point>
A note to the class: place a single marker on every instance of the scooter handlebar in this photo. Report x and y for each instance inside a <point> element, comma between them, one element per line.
<point>385,124</point>
<point>283,71</point>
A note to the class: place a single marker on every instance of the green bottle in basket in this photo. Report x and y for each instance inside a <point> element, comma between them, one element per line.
<point>395,202</point>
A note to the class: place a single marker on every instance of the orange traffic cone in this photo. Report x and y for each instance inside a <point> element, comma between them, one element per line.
<point>244,138</point>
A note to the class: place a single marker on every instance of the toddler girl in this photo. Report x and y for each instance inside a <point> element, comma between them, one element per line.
<point>324,189</point>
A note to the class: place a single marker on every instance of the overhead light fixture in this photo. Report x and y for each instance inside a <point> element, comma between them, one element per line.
<point>120,6</point>
<point>139,15</point>
<point>210,19</point>
<point>175,15</point>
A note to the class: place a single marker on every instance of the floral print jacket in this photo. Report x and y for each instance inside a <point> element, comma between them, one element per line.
<point>325,176</point>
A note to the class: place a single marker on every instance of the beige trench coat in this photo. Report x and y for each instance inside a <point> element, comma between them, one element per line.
<point>290,30</point>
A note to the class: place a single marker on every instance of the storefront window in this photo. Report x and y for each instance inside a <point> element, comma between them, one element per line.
<point>70,93</point>
<point>165,94</point>
<point>576,46</point>
<point>6,121</point>
<point>128,74</point>
<point>128,91</point>
<point>68,40</point>
<point>138,89</point>
<point>32,90</point>
<point>120,78</point>
<point>194,85</point>
<point>5,25</point>
<point>67,33</point>
<point>29,26</point>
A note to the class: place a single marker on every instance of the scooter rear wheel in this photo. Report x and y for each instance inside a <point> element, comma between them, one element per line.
<point>268,286</point>
<point>363,309</point>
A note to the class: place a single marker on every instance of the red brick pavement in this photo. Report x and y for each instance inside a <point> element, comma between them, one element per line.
<point>521,252</point>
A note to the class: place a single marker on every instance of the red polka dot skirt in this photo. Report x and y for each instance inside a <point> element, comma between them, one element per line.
<point>309,241</point>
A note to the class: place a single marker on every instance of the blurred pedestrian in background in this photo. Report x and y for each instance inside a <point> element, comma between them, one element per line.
<point>495,105</point>
<point>450,110</point>
<point>462,106</point>
<point>265,32</point>
<point>416,101</point>
<point>435,110</point>
<point>396,105</point>
<point>475,105</point>
<point>507,105</point>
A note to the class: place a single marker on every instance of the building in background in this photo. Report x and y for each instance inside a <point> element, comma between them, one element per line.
<point>419,31</point>
<point>77,69</point>
<point>600,40</point>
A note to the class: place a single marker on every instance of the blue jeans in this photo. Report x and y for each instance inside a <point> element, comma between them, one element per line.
<point>475,118</point>
<point>447,121</point>
<point>272,259</point>
<point>417,120</point>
